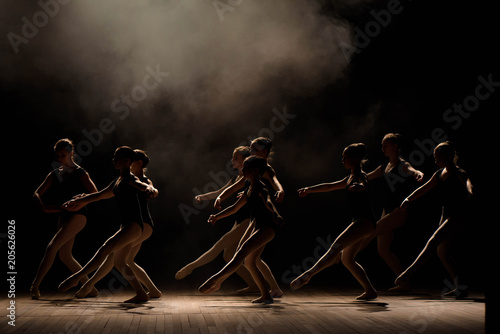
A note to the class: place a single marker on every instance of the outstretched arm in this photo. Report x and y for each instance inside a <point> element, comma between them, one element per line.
<point>229,191</point>
<point>214,194</point>
<point>229,210</point>
<point>418,175</point>
<point>81,200</point>
<point>323,187</point>
<point>421,190</point>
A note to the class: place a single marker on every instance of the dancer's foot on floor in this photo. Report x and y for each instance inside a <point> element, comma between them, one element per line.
<point>276,293</point>
<point>87,292</point>
<point>35,293</point>
<point>368,295</point>
<point>300,281</point>
<point>399,288</point>
<point>209,287</point>
<point>154,293</point>
<point>142,298</point>
<point>263,300</point>
<point>67,284</point>
<point>457,293</point>
<point>403,280</point>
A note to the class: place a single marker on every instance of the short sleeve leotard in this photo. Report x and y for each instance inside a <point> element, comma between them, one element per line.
<point>127,198</point>
<point>359,202</point>
<point>66,183</point>
<point>256,197</point>
<point>397,186</point>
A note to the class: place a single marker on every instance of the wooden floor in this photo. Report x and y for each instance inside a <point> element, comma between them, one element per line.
<point>309,310</point>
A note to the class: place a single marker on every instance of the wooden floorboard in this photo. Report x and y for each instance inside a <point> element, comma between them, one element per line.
<point>309,310</point>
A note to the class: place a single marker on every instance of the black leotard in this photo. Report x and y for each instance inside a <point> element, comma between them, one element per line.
<point>454,194</point>
<point>397,186</point>
<point>256,197</point>
<point>143,201</point>
<point>66,183</point>
<point>359,201</point>
<point>127,198</point>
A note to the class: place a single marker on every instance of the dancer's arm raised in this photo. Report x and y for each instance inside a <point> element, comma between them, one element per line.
<point>323,187</point>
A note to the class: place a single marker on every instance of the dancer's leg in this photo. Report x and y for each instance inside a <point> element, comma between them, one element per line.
<point>67,229</point>
<point>445,230</point>
<point>348,260</point>
<point>275,289</point>
<point>231,237</point>
<point>99,274</point>
<point>123,237</point>
<point>356,231</point>
<point>139,272</point>
<point>258,239</point>
<point>121,256</point>
<point>251,262</point>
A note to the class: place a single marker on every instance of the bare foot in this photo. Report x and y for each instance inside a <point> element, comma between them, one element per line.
<point>276,293</point>
<point>368,295</point>
<point>35,293</point>
<point>403,280</point>
<point>263,300</point>
<point>183,272</point>
<point>300,281</point>
<point>142,298</point>
<point>209,287</point>
<point>248,290</point>
<point>67,284</point>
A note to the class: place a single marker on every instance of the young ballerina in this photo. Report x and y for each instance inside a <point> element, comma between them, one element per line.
<point>260,232</point>
<point>126,189</point>
<point>399,177</point>
<point>60,185</point>
<point>138,168</point>
<point>260,147</point>
<point>229,241</point>
<point>350,241</point>
<point>456,192</point>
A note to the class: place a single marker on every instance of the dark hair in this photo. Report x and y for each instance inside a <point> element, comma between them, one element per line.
<point>447,150</point>
<point>263,143</point>
<point>394,138</point>
<point>64,144</point>
<point>357,150</point>
<point>254,161</point>
<point>142,156</point>
<point>125,152</point>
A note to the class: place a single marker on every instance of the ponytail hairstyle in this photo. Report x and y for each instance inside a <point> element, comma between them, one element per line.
<point>263,143</point>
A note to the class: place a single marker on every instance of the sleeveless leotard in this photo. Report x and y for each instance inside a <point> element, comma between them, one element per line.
<point>127,198</point>
<point>359,202</point>
<point>256,203</point>
<point>397,186</point>
<point>143,201</point>
<point>455,197</point>
<point>65,185</point>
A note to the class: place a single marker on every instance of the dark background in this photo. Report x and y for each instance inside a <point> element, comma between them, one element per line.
<point>427,59</point>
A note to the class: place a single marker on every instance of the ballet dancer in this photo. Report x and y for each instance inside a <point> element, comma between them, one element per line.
<point>456,192</point>
<point>399,176</point>
<point>229,241</point>
<point>350,241</point>
<point>138,168</point>
<point>125,188</point>
<point>62,183</point>
<point>261,231</point>
<point>260,147</point>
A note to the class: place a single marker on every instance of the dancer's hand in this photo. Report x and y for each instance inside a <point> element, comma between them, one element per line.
<point>72,205</point>
<point>198,198</point>
<point>419,176</point>
<point>217,203</point>
<point>278,219</point>
<point>212,219</point>
<point>404,205</point>
<point>303,192</point>
<point>279,196</point>
<point>79,196</point>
